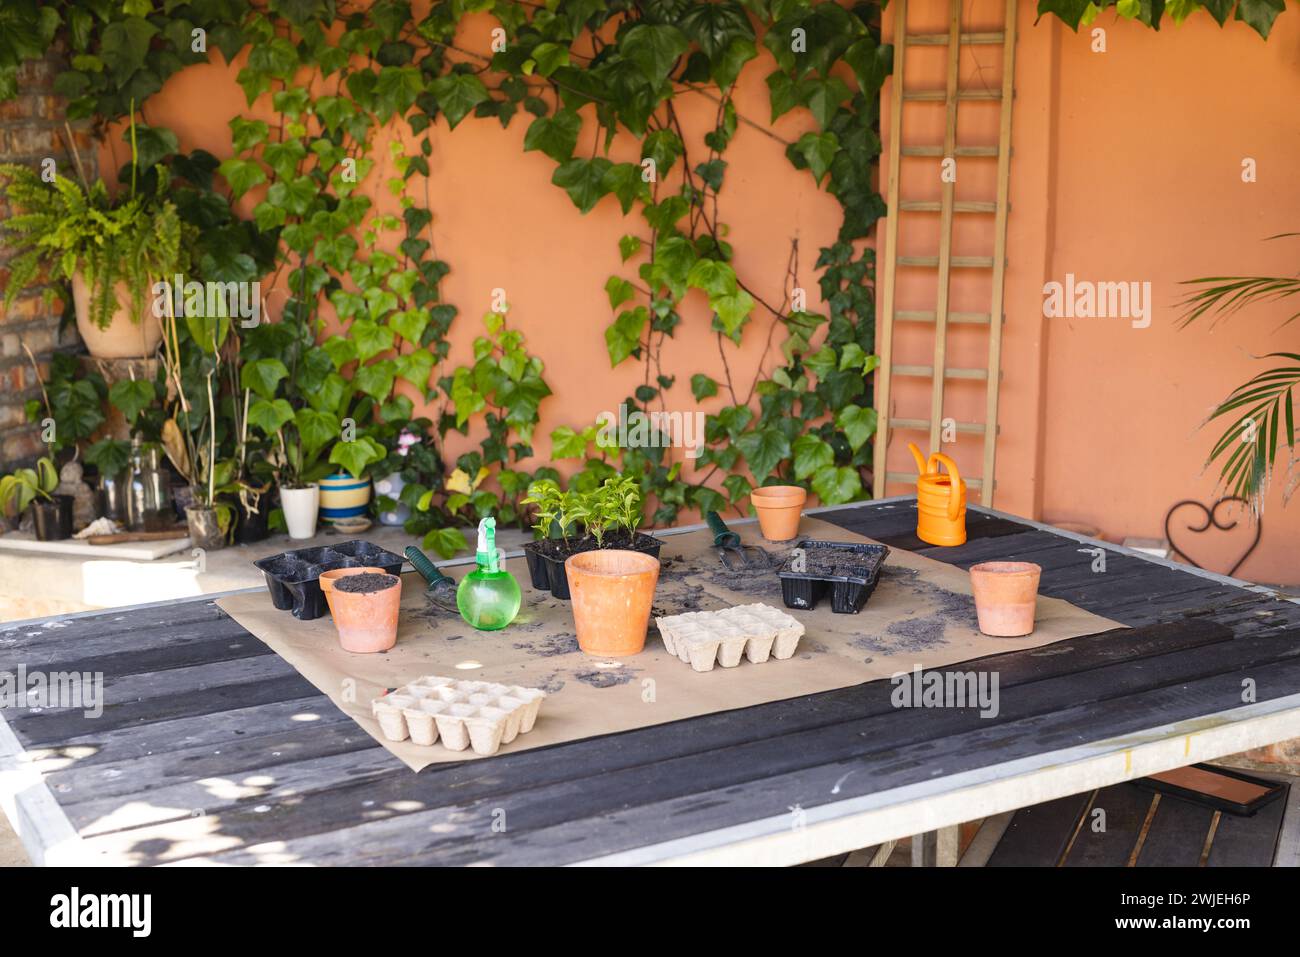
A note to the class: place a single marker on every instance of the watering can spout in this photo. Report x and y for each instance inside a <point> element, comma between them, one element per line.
<point>940,499</point>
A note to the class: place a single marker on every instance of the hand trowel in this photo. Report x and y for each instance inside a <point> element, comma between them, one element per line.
<point>442,588</point>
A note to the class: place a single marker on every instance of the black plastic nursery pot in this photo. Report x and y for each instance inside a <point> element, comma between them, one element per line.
<point>252,526</point>
<point>547,570</point>
<point>52,518</point>
<point>293,577</point>
<point>849,571</point>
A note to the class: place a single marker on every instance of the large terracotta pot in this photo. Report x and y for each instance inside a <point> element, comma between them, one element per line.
<point>612,592</point>
<point>779,508</point>
<point>123,339</point>
<point>1006,596</point>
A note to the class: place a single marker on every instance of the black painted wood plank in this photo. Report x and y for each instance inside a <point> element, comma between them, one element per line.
<point>130,627</point>
<point>1125,808</point>
<point>455,835</point>
<point>1177,834</point>
<point>1038,835</point>
<point>928,738</point>
<point>233,644</point>
<point>815,714</point>
<point>1248,841</point>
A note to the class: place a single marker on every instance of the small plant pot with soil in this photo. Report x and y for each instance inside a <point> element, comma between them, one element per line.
<point>1006,597</point>
<point>52,518</point>
<point>365,609</point>
<point>779,508</point>
<point>330,578</point>
<point>301,507</point>
<point>613,590</point>
<point>251,526</point>
<point>848,570</point>
<point>205,529</point>
<point>537,573</point>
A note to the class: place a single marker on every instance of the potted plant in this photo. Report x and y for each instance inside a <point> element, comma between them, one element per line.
<point>111,253</point>
<point>412,467</point>
<point>608,514</point>
<point>51,513</point>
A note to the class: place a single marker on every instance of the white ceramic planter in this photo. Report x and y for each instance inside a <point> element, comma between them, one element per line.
<point>392,485</point>
<point>301,506</point>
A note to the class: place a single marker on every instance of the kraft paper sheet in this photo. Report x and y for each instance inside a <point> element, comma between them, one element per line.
<point>921,613</point>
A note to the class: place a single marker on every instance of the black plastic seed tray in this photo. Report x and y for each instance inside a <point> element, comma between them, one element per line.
<point>293,577</point>
<point>850,583</point>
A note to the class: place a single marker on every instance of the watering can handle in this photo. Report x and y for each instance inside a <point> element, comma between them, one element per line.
<point>954,488</point>
<point>920,459</point>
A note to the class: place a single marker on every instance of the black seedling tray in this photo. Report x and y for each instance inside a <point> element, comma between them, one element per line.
<point>293,577</point>
<point>850,587</point>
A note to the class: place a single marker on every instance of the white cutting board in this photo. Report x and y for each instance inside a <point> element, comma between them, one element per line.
<point>123,551</point>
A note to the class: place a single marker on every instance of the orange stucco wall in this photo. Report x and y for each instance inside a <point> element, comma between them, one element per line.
<point>500,223</point>
<point>1126,166</point>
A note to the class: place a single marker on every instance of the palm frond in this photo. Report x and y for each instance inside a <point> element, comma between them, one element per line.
<point>1250,444</point>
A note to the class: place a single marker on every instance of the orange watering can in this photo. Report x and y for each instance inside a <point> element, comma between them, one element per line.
<point>940,500</point>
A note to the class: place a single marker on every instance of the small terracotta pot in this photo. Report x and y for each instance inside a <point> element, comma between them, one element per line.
<point>779,508</point>
<point>1006,594</point>
<point>612,591</point>
<point>366,621</point>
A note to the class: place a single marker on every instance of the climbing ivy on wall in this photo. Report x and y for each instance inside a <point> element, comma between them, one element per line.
<point>582,74</point>
<point>1257,14</point>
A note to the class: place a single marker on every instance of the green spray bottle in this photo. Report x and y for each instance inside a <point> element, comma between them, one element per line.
<point>488,597</point>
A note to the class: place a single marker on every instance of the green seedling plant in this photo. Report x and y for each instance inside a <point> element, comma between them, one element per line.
<point>548,507</point>
<point>21,488</point>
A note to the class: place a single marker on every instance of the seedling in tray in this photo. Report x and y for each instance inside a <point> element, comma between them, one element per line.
<point>849,571</point>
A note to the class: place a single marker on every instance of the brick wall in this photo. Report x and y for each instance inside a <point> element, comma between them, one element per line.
<point>31,129</point>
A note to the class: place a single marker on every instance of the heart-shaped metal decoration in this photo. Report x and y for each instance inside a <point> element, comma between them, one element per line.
<point>1211,519</point>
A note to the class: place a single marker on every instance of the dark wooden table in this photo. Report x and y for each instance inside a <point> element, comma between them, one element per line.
<point>211,748</point>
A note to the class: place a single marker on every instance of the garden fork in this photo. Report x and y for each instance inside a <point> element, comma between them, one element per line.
<point>442,588</point>
<point>734,554</point>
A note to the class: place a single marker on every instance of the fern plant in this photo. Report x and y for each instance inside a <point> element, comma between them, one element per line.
<point>64,229</point>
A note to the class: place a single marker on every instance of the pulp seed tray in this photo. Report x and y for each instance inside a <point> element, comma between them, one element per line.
<point>461,714</point>
<point>758,631</point>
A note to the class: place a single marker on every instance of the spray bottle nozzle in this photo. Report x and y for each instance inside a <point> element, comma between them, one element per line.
<point>487,545</point>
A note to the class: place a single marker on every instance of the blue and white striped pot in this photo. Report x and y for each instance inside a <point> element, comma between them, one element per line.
<point>343,497</point>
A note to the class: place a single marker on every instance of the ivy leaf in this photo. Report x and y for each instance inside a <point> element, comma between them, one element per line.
<point>409,324</point>
<point>673,260</point>
<point>702,387</point>
<point>714,25</point>
<point>654,49</point>
<point>857,423</point>
<point>732,310</point>
<point>241,174</point>
<point>619,291</point>
<point>547,58</point>
<point>568,444</point>
<point>738,52</point>
<point>263,376</point>
<point>376,379</point>
<point>316,429</point>
<point>445,542</point>
<point>457,95</point>
<point>714,277</point>
<point>628,246</point>
<point>872,63</point>
<point>824,98</point>
<point>817,150</point>
<point>370,338</point>
<point>623,335</point>
<point>583,180</point>
<point>270,417</point>
<point>556,136</point>
<point>737,487</point>
<point>132,396</point>
<point>1070,11</point>
<point>124,44</point>
<point>415,367</point>
<point>811,454</point>
<point>153,144</point>
<point>354,456</point>
<point>763,449</point>
<point>822,362</point>
<point>662,146</point>
<point>834,486</point>
<point>1260,14</point>
<point>340,350</point>
<point>625,182</point>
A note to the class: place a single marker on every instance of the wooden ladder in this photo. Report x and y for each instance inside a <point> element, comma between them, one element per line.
<point>944,262</point>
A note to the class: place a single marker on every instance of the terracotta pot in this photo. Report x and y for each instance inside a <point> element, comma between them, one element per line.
<point>779,508</point>
<point>123,339</point>
<point>1006,594</point>
<point>366,621</point>
<point>327,579</point>
<point>612,591</point>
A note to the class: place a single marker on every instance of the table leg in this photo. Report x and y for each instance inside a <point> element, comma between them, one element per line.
<point>936,848</point>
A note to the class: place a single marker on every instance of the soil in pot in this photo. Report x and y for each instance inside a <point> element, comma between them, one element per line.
<point>365,610</point>
<point>52,518</point>
<point>613,590</point>
<point>634,542</point>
